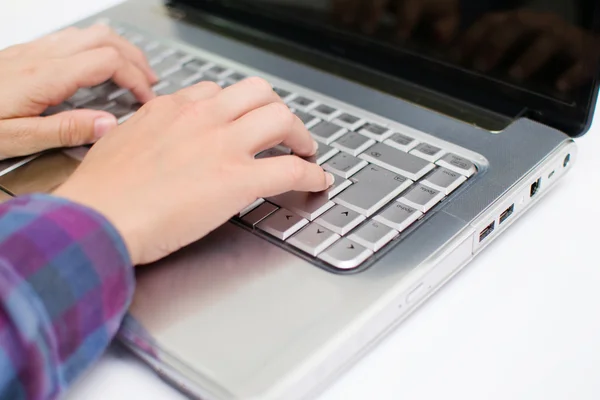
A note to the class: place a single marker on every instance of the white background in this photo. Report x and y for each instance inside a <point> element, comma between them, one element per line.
<point>521,322</point>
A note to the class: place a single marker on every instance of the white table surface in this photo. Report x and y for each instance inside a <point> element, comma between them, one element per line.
<point>505,328</point>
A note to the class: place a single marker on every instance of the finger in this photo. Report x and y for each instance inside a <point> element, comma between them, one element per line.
<point>574,76</point>
<point>200,91</point>
<point>373,15</point>
<point>91,68</point>
<point>445,28</point>
<point>477,33</point>
<point>409,14</point>
<point>277,175</point>
<point>239,99</point>
<point>101,35</point>
<point>269,126</point>
<point>534,57</point>
<point>23,136</point>
<point>496,46</point>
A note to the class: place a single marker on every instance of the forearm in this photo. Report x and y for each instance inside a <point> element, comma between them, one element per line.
<point>65,283</point>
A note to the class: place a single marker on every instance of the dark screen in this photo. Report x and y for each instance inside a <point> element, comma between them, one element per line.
<point>534,51</point>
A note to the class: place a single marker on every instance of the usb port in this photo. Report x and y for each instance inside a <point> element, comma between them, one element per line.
<point>535,187</point>
<point>507,213</point>
<point>487,231</point>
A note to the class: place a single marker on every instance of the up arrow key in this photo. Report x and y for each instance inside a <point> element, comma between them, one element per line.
<point>319,231</point>
<point>345,213</point>
<point>351,247</point>
<point>288,217</point>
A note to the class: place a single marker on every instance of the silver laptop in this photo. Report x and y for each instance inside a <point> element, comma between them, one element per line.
<point>437,145</point>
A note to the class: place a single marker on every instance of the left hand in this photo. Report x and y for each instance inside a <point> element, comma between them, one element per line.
<point>47,71</point>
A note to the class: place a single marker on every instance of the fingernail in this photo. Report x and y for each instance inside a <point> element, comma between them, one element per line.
<point>103,125</point>
<point>315,146</point>
<point>330,179</point>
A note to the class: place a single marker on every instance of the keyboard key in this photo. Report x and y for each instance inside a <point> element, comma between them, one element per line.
<point>349,121</point>
<point>401,142</point>
<point>119,111</point>
<point>105,90</point>
<point>81,97</point>
<point>282,224</point>
<point>325,112</point>
<point>156,54</point>
<point>170,64</point>
<point>353,143</point>
<point>421,197</point>
<point>285,95</point>
<point>344,165</point>
<point>339,184</point>
<point>259,213</point>
<point>340,220</point>
<point>58,109</point>
<point>374,174</point>
<point>323,154</point>
<point>313,239</point>
<point>326,132</point>
<point>98,104</point>
<point>367,198</point>
<point>302,103</point>
<point>457,164</point>
<point>375,131</point>
<point>165,88</point>
<point>197,65</point>
<point>444,180</point>
<point>398,161</point>
<point>218,71</point>
<point>306,204</point>
<point>398,216</point>
<point>250,207</point>
<point>373,235</point>
<point>183,77</point>
<point>427,152</point>
<point>308,120</point>
<point>236,77</point>
<point>345,254</point>
<point>128,99</point>
<point>272,152</point>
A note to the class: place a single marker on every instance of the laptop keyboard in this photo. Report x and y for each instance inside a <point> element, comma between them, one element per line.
<point>385,180</point>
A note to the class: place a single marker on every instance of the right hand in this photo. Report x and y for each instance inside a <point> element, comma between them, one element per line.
<point>442,16</point>
<point>184,164</point>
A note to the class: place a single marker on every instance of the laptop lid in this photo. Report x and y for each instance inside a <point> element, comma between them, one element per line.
<point>515,58</point>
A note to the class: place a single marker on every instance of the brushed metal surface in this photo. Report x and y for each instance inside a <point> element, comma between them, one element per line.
<point>245,319</point>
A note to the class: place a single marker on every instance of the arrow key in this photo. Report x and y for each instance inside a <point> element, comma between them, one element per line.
<point>345,254</point>
<point>282,224</point>
<point>313,239</point>
<point>340,219</point>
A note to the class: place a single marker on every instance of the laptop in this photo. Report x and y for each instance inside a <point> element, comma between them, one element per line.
<point>437,141</point>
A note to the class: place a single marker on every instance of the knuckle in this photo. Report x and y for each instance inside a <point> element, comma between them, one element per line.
<point>190,110</point>
<point>209,86</point>
<point>68,132</point>
<point>101,29</point>
<point>111,55</point>
<point>282,113</point>
<point>259,85</point>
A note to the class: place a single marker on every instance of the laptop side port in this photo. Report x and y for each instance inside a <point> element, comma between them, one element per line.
<point>487,231</point>
<point>535,187</point>
<point>507,213</point>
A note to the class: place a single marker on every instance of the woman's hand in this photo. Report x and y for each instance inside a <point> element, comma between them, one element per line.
<point>184,164</point>
<point>45,72</point>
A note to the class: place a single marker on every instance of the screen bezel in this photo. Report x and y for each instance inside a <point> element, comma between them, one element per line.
<point>497,96</point>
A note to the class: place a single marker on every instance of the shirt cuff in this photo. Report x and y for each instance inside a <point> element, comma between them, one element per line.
<point>71,280</point>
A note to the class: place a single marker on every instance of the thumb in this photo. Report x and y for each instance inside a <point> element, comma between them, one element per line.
<point>24,136</point>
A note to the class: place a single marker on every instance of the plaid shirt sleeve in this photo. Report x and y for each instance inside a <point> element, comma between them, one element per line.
<point>66,281</point>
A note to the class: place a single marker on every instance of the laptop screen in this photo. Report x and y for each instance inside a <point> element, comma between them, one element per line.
<point>541,55</point>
